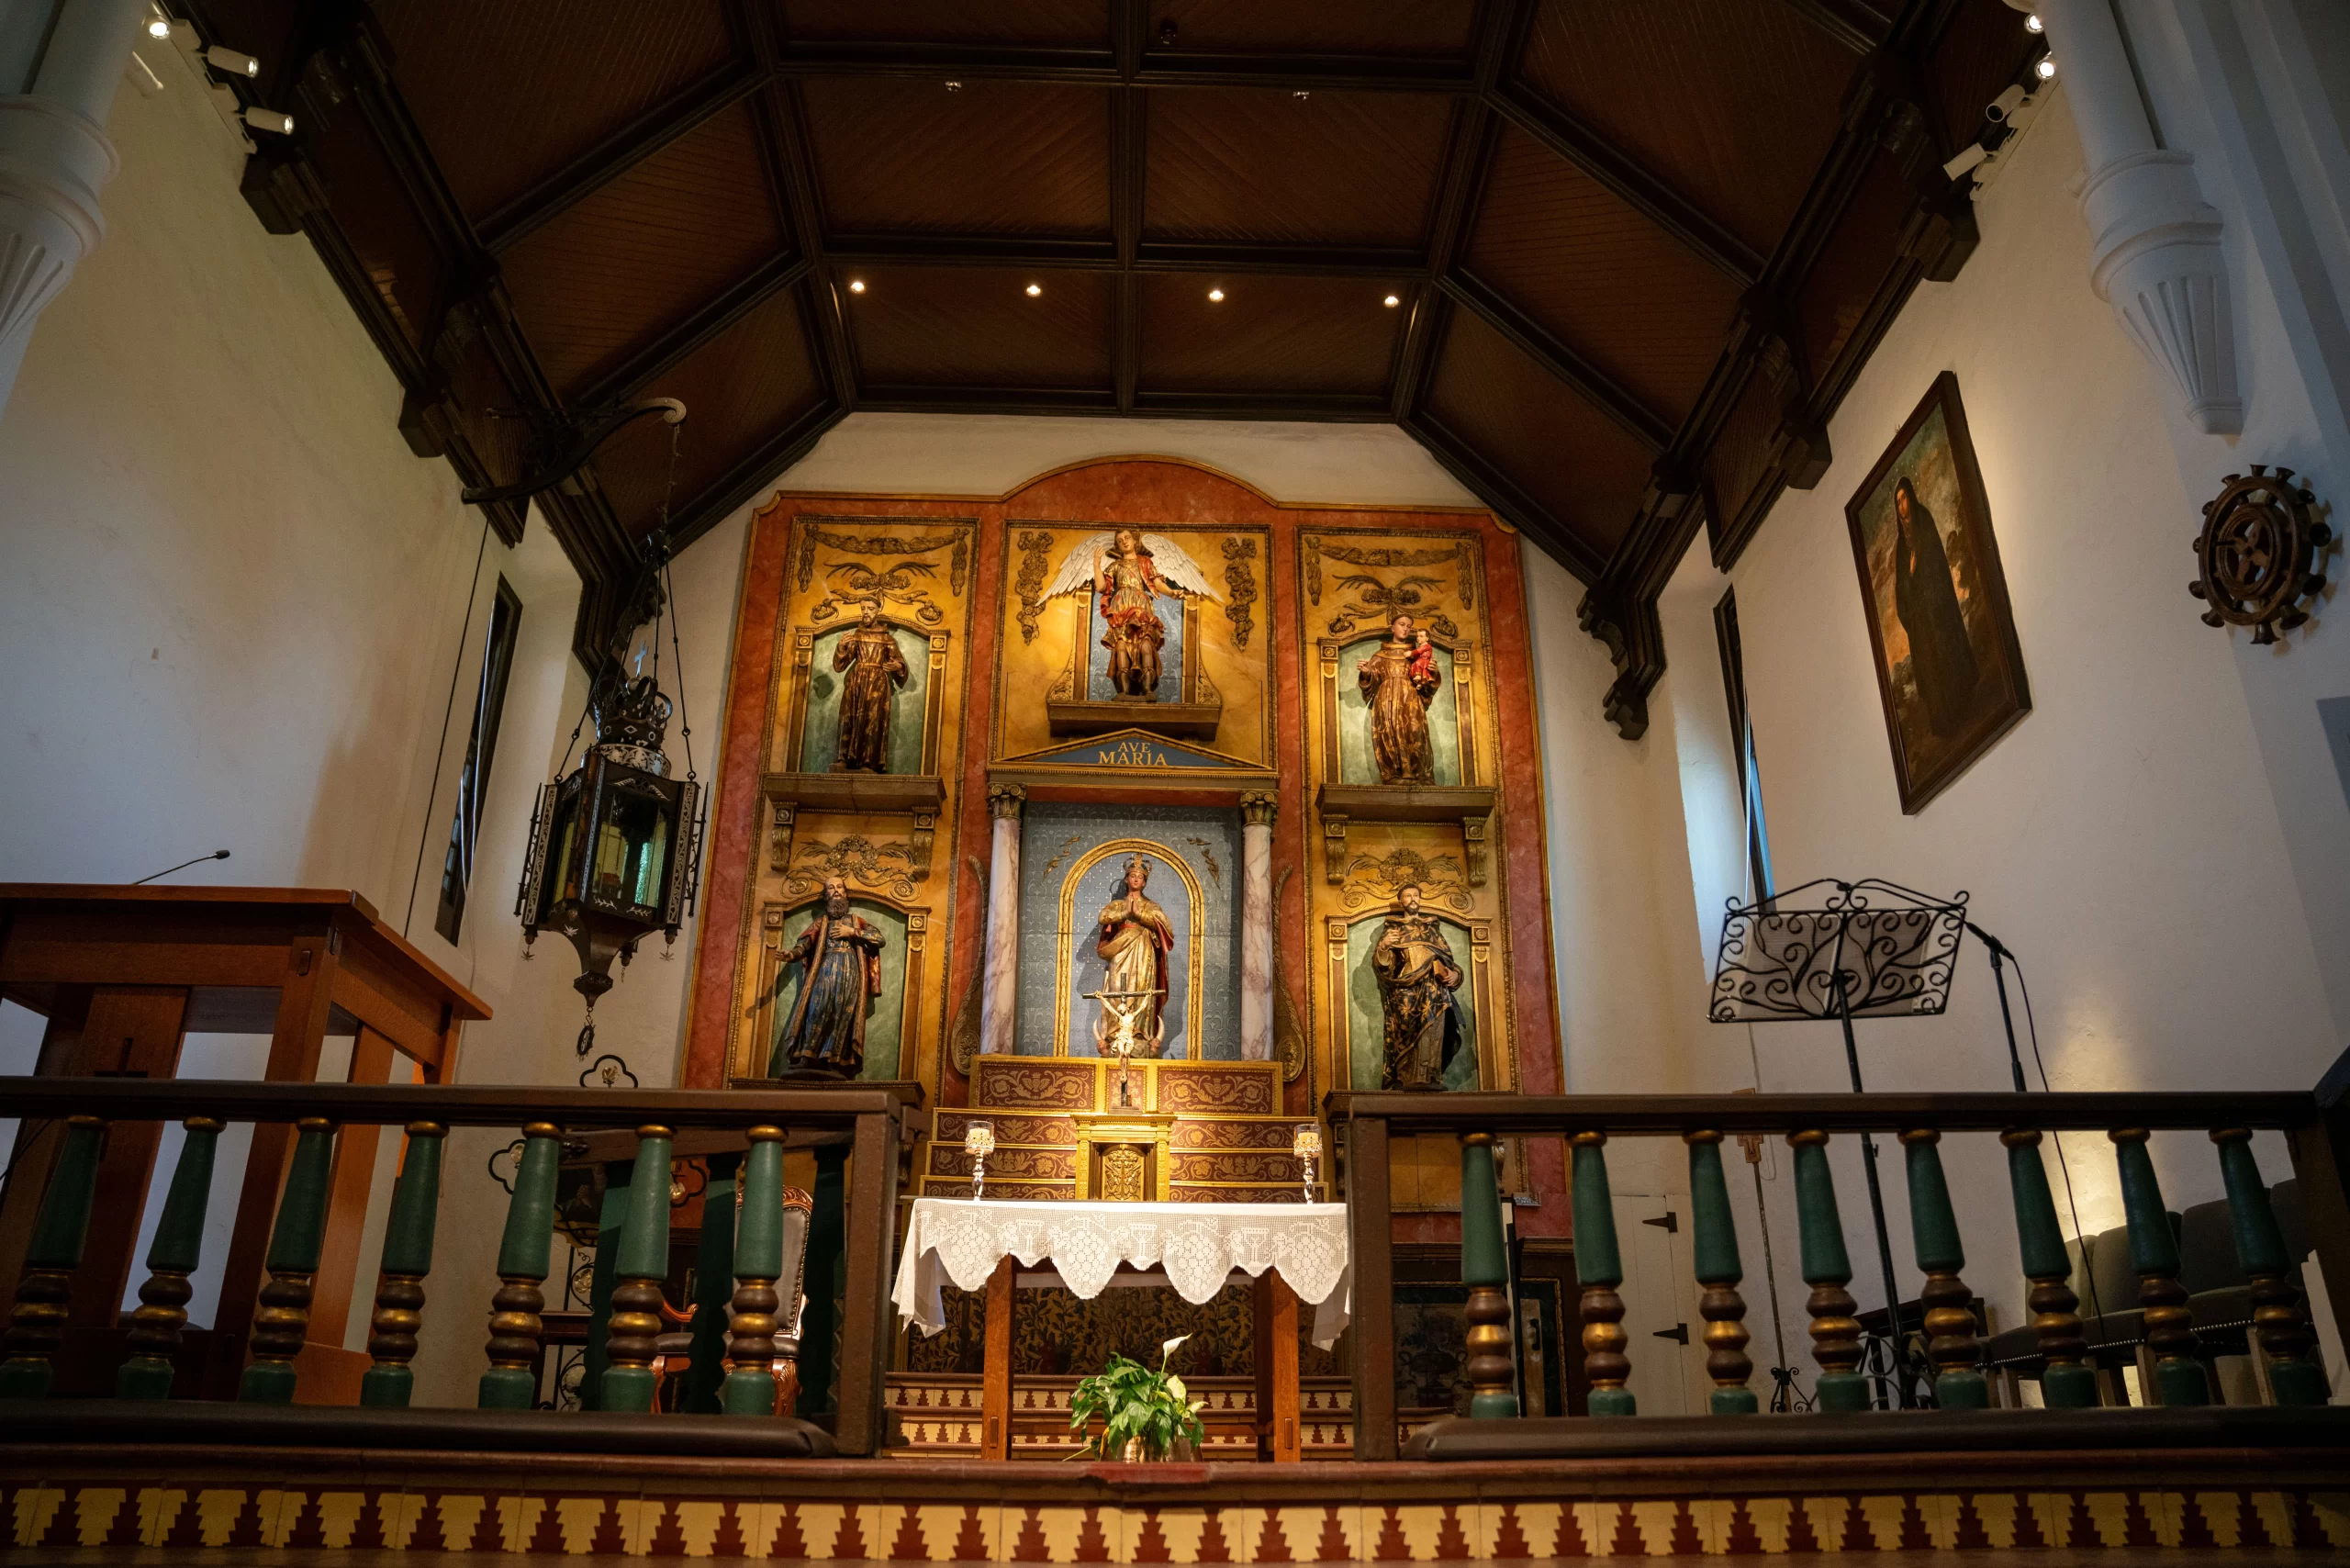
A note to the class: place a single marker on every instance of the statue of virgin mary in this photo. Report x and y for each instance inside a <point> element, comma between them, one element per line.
<point>1132,938</point>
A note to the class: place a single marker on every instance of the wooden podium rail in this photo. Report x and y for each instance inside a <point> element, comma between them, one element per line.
<point>123,974</point>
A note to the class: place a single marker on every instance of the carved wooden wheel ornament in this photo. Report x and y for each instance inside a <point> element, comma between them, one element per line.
<point>2258,553</point>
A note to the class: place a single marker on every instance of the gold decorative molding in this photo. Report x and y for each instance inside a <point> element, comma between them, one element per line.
<point>1036,560</point>
<point>811,536</point>
<point>1006,800</point>
<point>865,586</point>
<point>1381,878</point>
<point>1240,585</point>
<point>1257,807</point>
<point>891,868</point>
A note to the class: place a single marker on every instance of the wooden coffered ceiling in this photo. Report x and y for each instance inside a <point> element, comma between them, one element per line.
<point>1639,248</point>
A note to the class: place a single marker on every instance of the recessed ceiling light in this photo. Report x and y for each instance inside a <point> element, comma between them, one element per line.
<point>953,86</point>
<point>1034,289</point>
<point>1392,300</point>
<point>159,29</point>
<point>1215,296</point>
<point>2046,69</point>
<point>857,285</point>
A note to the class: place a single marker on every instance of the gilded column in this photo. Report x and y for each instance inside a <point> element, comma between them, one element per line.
<point>998,994</point>
<point>1257,925</point>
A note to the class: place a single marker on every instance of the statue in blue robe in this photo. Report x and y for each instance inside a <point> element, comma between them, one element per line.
<point>841,957</point>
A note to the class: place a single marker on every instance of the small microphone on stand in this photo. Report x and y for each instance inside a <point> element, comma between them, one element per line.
<point>216,855</point>
<point>1990,941</point>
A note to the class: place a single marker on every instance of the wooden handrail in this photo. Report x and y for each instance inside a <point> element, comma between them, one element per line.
<point>465,1105</point>
<point>1630,1115</point>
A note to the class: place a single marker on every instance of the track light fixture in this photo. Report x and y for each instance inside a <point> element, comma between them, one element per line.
<point>1034,289</point>
<point>2046,69</point>
<point>270,120</point>
<point>2032,24</point>
<point>229,63</point>
<point>158,27</point>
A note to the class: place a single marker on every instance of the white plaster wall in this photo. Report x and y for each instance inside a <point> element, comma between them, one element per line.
<point>988,455</point>
<point>2122,838</point>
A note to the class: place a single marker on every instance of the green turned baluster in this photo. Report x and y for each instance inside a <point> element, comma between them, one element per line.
<point>171,1256</point>
<point>2153,1256</point>
<point>283,1321</point>
<point>2260,1248</point>
<point>1484,1268</point>
<point>1600,1268</point>
<point>36,1327</point>
<point>1835,1332</point>
<point>512,1381</point>
<point>2065,1384</point>
<point>1951,1343</point>
<point>759,1260</point>
<point>643,1263</point>
<point>1715,1249</point>
<point>408,1257</point>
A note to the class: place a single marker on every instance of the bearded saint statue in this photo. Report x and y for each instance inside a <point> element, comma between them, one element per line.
<point>840,953</point>
<point>1399,681</point>
<point>1133,939</point>
<point>1416,978</point>
<point>875,670</point>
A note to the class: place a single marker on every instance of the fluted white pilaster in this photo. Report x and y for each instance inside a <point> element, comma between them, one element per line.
<point>54,158</point>
<point>999,976</point>
<point>1257,927</point>
<point>2154,252</point>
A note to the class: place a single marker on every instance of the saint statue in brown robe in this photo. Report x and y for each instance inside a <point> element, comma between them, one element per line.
<point>875,670</point>
<point>1132,940</point>
<point>1416,978</point>
<point>1399,681</point>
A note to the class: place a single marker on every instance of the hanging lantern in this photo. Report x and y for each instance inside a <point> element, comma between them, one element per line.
<point>612,854</point>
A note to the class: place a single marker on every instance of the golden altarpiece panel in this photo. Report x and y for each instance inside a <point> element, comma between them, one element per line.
<point>826,815</point>
<point>1166,702</point>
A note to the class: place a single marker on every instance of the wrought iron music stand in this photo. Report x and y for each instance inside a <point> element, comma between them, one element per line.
<point>1866,949</point>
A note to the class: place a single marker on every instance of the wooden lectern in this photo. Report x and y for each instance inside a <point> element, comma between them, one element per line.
<point>123,974</point>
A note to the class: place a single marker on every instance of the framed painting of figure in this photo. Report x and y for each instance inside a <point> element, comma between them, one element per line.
<point>1948,665</point>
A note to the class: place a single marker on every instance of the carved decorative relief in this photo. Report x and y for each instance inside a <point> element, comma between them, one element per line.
<point>1238,1166</point>
<point>1241,586</point>
<point>1232,1094</point>
<point>1124,1168</point>
<point>1008,1129</point>
<point>893,869</point>
<point>1035,1083</point>
<point>1377,602</point>
<point>1012,1164</point>
<point>881,545</point>
<point>1378,879</point>
<point>1036,559</point>
<point>854,583</point>
<point>1234,1135</point>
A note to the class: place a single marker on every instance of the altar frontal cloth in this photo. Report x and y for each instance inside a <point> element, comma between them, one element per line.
<point>1198,1245</point>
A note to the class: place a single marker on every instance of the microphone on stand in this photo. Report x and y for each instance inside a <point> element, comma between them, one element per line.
<point>1999,950</point>
<point>216,855</point>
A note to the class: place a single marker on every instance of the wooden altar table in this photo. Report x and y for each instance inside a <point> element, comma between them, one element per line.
<point>1293,1252</point>
<point>123,974</point>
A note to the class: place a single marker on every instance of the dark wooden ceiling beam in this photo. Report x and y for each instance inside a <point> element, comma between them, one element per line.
<point>794,163</point>
<point>753,473</point>
<point>1596,387</point>
<point>1140,66</point>
<point>1593,153</point>
<point>1502,494</point>
<point>989,400</point>
<point>1468,161</point>
<point>619,152</point>
<point>1857,25</point>
<point>661,355</point>
<point>1129,178</point>
<point>1239,258</point>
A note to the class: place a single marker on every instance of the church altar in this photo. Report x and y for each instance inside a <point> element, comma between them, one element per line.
<point>1198,1245</point>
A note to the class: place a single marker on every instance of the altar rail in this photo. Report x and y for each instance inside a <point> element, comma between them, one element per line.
<point>78,1111</point>
<point>2317,1134</point>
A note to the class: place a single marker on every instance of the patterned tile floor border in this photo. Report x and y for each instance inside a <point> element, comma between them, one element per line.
<point>225,1523</point>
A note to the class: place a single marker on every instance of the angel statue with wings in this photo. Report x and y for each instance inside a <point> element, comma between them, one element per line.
<point>1128,571</point>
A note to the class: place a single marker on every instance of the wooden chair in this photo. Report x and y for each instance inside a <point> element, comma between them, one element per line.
<point>672,1351</point>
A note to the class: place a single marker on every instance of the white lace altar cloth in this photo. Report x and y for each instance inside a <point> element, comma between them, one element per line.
<point>1199,1244</point>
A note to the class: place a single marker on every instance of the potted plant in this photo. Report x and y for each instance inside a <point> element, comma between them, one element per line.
<point>1145,1414</point>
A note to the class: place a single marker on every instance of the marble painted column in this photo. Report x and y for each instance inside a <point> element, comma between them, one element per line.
<point>1257,926</point>
<point>55,92</point>
<point>999,975</point>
